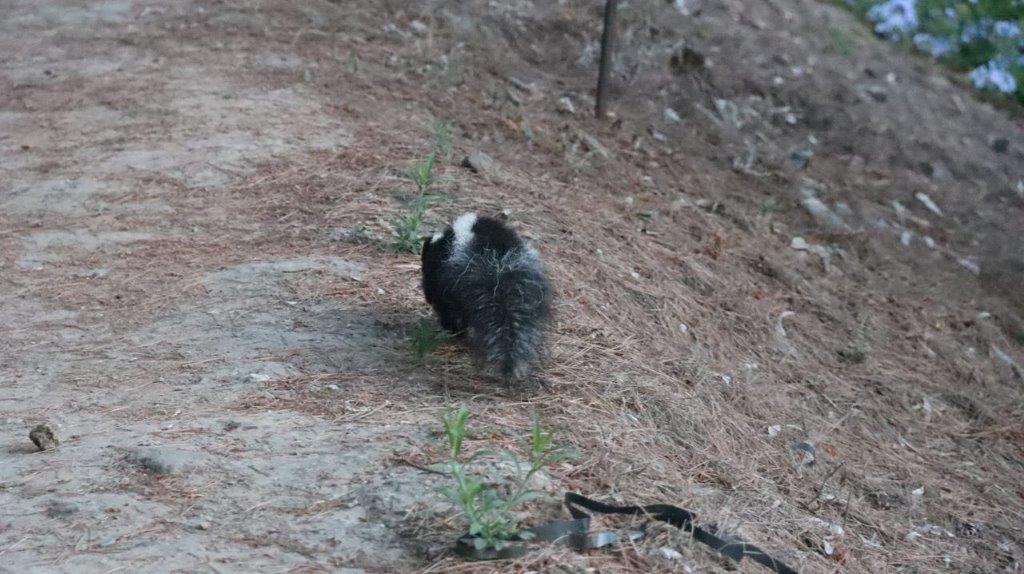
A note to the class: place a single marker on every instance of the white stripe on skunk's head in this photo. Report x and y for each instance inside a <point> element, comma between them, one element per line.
<point>436,237</point>
<point>463,228</point>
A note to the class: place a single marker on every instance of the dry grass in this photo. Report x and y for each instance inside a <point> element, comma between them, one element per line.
<point>666,415</point>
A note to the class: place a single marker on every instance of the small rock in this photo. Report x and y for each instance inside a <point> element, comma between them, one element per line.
<point>262,373</point>
<point>566,106</point>
<point>592,145</point>
<point>161,460</point>
<point>684,7</point>
<point>672,116</point>
<point>530,88</point>
<point>918,491</point>
<point>801,156</point>
<point>669,553</point>
<point>807,452</point>
<point>479,162</point>
<point>1001,145</point>
<point>800,244</point>
<point>876,93</point>
<point>419,28</point>
<point>824,215</point>
<point>681,203</point>
<point>774,430</point>
<point>791,119</point>
<point>43,437</point>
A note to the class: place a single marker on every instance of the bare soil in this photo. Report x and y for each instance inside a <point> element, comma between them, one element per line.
<point>197,294</point>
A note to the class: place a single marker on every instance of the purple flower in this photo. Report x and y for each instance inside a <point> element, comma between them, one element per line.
<point>973,31</point>
<point>894,17</point>
<point>935,45</point>
<point>993,75</point>
<point>1007,29</point>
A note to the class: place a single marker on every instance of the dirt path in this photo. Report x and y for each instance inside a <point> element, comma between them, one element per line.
<point>136,311</point>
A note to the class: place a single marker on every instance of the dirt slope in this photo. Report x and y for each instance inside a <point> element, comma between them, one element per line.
<point>186,297</point>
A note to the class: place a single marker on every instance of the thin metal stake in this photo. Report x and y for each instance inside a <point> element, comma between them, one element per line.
<point>607,39</point>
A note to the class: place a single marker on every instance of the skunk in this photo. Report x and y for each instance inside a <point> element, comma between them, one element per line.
<point>487,284</point>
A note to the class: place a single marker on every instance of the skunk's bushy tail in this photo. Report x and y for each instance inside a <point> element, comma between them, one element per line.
<point>507,297</point>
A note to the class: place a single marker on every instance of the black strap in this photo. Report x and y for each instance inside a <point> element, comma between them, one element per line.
<point>576,533</point>
<point>682,519</point>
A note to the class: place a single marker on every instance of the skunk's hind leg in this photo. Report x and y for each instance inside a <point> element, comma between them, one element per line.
<point>451,320</point>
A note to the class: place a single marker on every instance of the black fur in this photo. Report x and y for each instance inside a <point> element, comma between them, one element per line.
<point>492,289</point>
